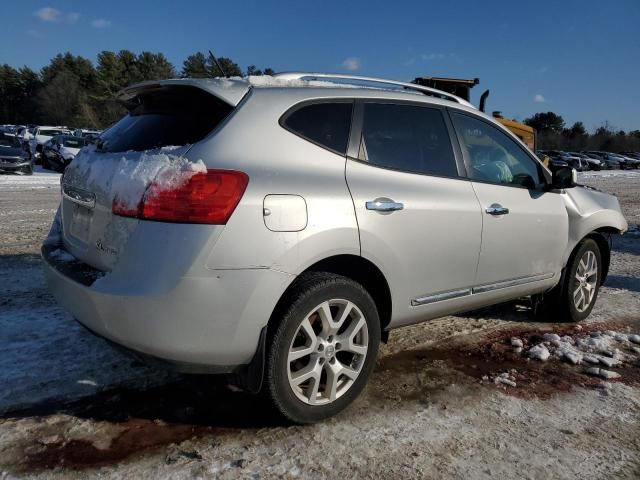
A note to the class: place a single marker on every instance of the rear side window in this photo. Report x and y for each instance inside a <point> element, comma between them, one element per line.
<point>168,116</point>
<point>326,124</point>
<point>407,137</point>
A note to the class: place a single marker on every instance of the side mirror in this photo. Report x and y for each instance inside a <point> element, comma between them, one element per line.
<point>564,177</point>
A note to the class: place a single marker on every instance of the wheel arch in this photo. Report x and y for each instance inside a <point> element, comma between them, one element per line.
<point>355,267</point>
<point>358,269</point>
<point>602,237</point>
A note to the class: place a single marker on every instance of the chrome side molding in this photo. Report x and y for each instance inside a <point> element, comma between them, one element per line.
<point>438,297</point>
<point>450,295</point>
<point>511,283</point>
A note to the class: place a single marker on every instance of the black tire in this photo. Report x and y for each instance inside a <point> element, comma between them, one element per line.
<point>28,170</point>
<point>558,305</point>
<point>45,163</point>
<point>308,292</point>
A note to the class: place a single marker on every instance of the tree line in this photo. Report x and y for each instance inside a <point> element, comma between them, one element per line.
<point>72,91</point>
<point>553,134</point>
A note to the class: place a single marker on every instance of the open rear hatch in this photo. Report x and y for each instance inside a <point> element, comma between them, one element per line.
<point>164,120</point>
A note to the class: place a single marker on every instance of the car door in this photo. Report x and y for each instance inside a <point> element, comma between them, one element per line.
<point>418,217</point>
<point>525,227</point>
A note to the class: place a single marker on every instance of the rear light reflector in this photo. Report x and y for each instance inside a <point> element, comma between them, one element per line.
<point>207,198</point>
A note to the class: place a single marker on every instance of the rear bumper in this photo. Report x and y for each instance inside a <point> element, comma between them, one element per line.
<point>10,167</point>
<point>202,324</point>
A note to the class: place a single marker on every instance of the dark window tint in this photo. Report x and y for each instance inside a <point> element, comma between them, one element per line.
<point>166,116</point>
<point>407,137</point>
<point>326,124</point>
<point>493,156</point>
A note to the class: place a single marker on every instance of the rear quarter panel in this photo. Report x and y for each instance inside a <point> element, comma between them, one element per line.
<point>278,162</point>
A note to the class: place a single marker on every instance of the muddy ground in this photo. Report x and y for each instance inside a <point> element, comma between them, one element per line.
<point>70,407</point>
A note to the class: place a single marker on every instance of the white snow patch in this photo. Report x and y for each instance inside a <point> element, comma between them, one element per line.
<point>506,379</point>
<point>601,372</point>
<point>40,179</point>
<point>275,82</point>
<point>539,352</point>
<point>610,174</point>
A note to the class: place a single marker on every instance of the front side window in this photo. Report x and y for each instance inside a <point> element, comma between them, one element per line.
<point>494,157</point>
<point>407,137</point>
<point>326,124</point>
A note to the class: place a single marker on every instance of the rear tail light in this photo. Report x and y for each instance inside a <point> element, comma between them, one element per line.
<point>207,198</point>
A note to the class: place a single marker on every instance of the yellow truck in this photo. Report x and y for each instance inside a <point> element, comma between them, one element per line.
<point>462,88</point>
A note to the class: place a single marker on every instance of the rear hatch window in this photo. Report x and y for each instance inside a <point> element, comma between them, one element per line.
<point>166,116</point>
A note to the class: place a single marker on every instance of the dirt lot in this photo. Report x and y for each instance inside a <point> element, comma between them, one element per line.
<point>436,406</point>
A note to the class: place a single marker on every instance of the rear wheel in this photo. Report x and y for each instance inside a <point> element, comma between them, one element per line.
<point>574,297</point>
<point>324,348</point>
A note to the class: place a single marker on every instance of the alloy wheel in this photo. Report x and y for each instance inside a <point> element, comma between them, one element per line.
<point>586,280</point>
<point>327,352</point>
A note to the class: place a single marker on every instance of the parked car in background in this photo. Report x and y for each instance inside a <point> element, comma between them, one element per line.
<point>592,156</point>
<point>86,133</point>
<point>610,161</point>
<point>40,136</point>
<point>283,261</point>
<point>628,162</point>
<point>635,155</point>
<point>58,152</point>
<point>573,161</point>
<point>625,163</point>
<point>13,157</point>
<point>589,163</point>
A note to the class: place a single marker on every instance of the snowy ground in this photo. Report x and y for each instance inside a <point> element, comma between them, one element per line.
<point>441,403</point>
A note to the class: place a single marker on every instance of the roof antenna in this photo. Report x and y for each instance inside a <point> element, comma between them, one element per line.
<point>215,60</point>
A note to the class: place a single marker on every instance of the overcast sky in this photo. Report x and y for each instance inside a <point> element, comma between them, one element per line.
<point>580,59</point>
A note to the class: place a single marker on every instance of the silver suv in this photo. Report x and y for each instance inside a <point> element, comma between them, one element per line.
<point>277,228</point>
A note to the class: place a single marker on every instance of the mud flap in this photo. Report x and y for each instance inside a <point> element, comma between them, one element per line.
<point>251,376</point>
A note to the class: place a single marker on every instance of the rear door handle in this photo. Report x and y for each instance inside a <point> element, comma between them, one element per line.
<point>384,205</point>
<point>497,209</point>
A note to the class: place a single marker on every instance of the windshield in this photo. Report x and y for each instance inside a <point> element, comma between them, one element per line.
<point>7,141</point>
<point>50,133</point>
<point>73,142</point>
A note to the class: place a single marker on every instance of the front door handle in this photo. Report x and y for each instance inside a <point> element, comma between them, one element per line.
<point>497,209</point>
<point>384,205</point>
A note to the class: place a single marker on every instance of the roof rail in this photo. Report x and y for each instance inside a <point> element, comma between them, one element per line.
<point>408,86</point>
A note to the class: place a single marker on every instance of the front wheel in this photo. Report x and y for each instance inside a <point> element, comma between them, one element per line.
<point>323,349</point>
<point>574,297</point>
